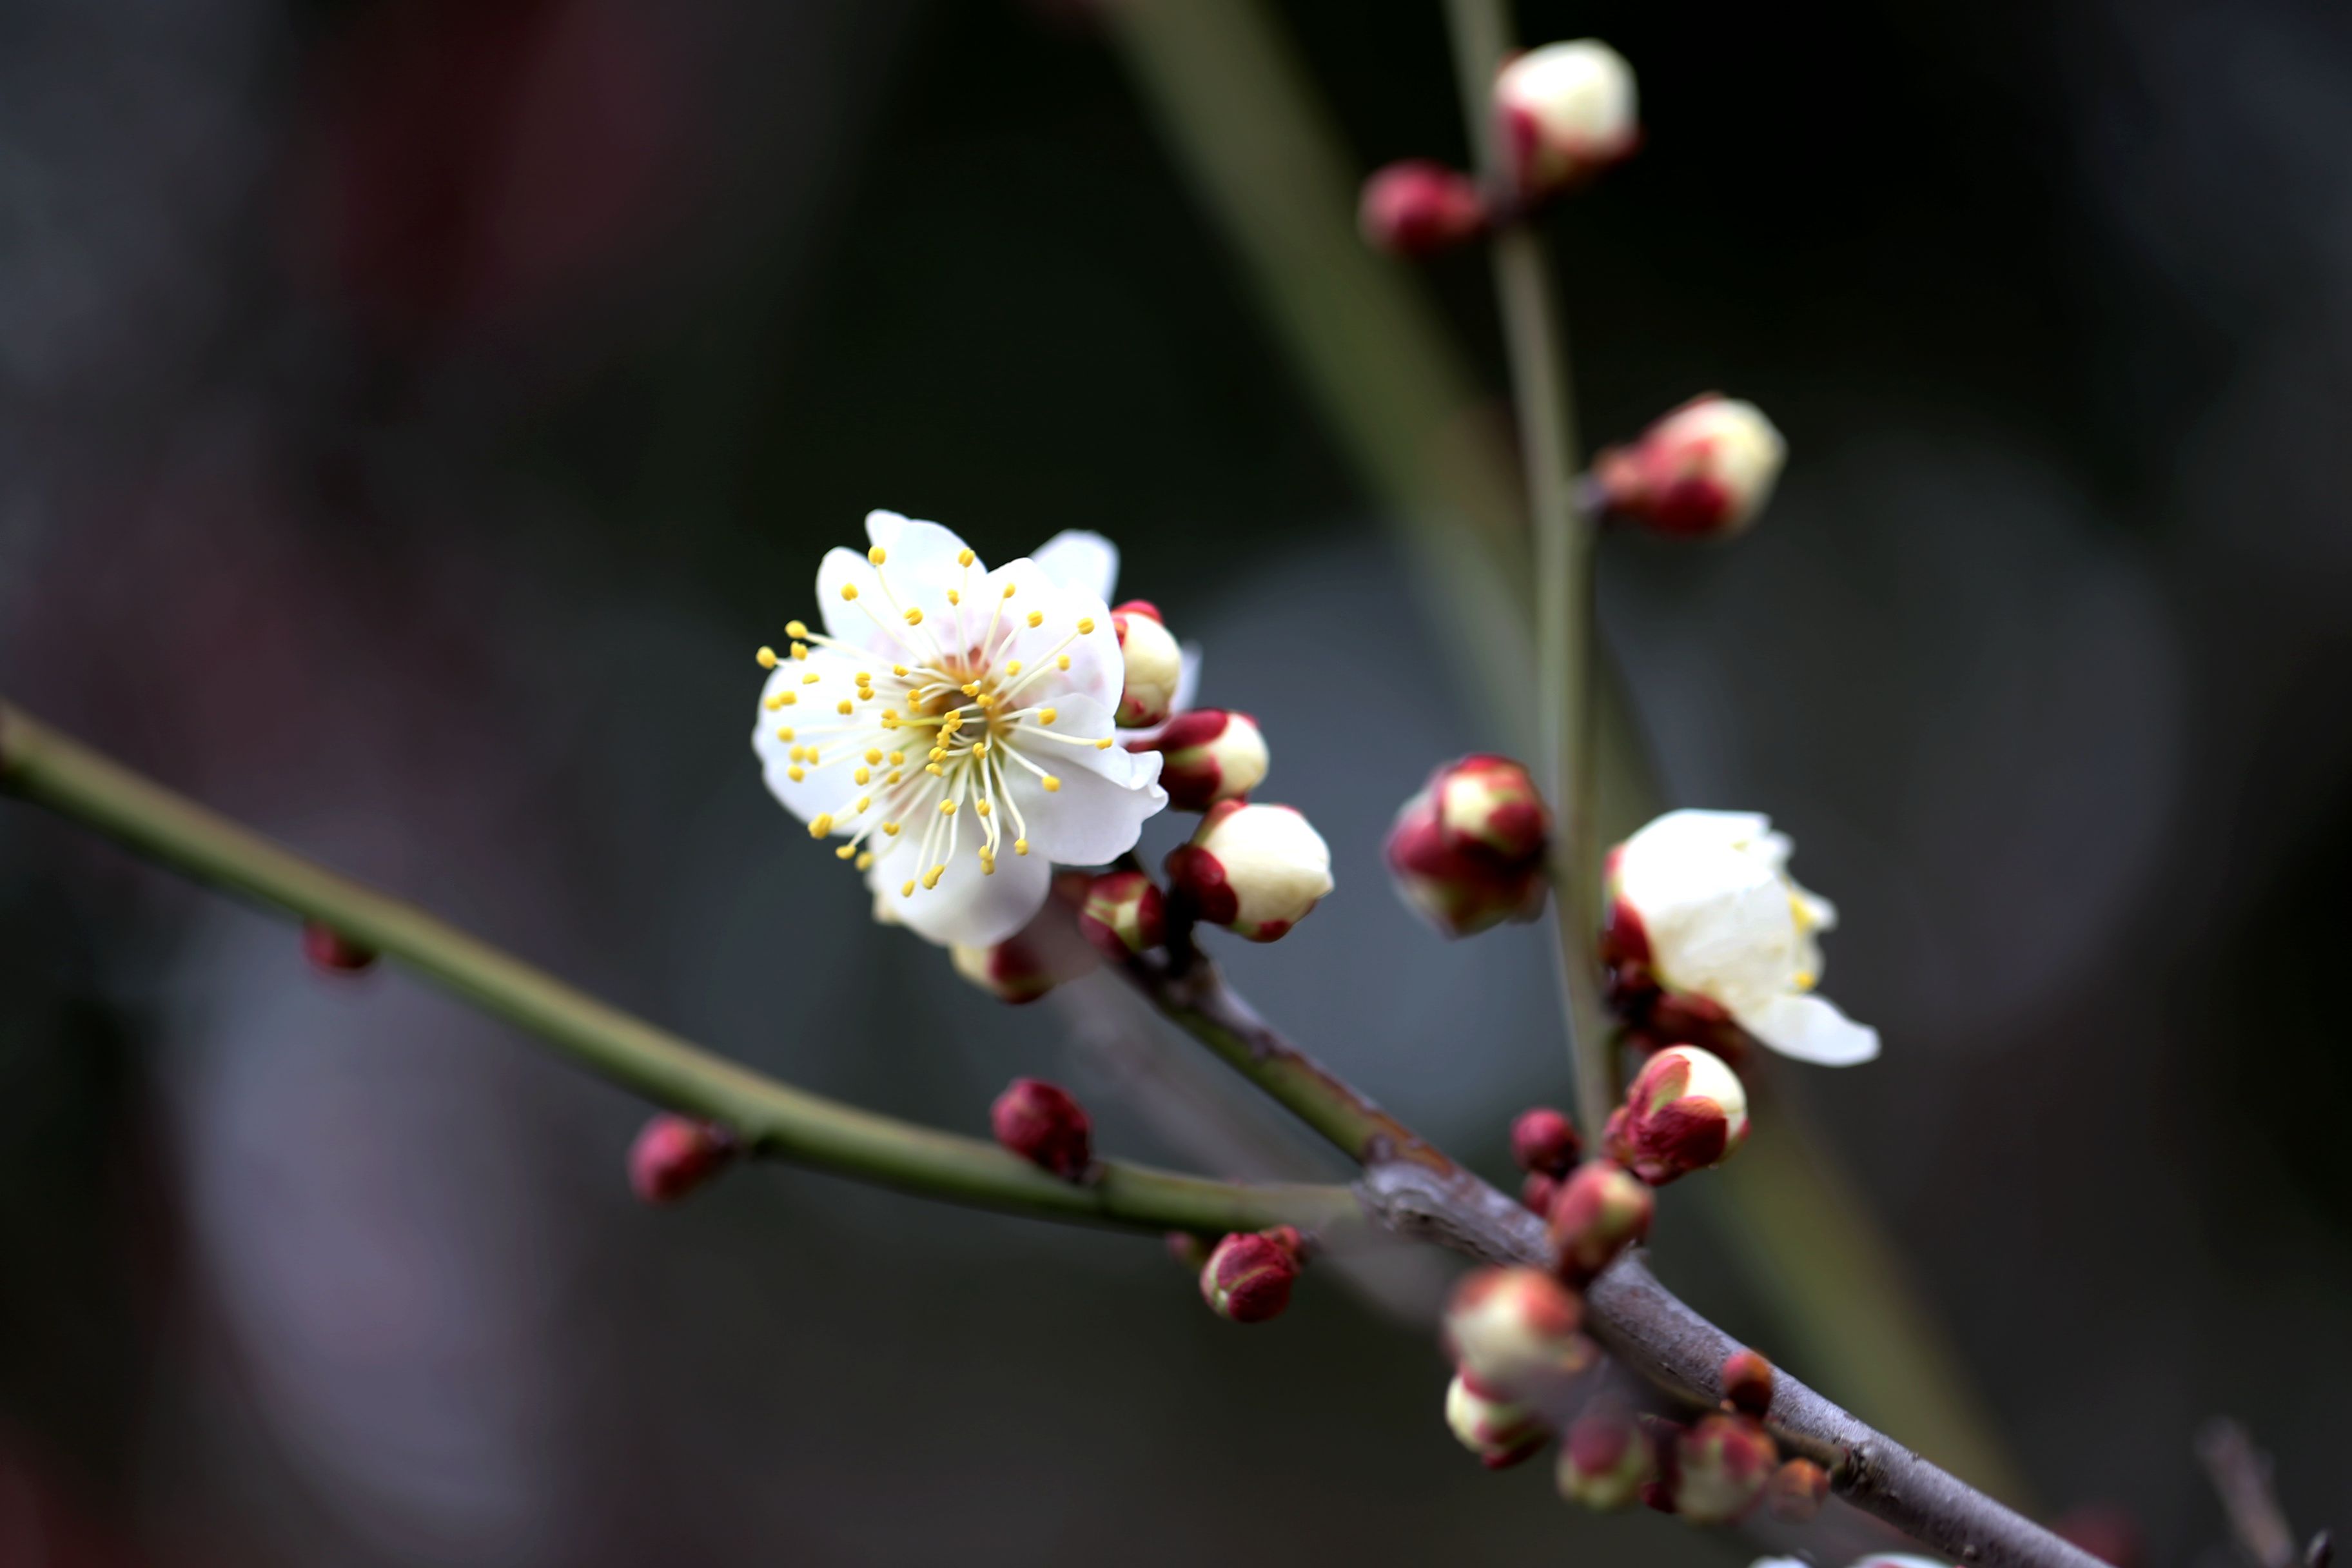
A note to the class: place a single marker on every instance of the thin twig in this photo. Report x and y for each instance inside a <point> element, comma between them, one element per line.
<point>1537,344</point>
<point>2242,1475</point>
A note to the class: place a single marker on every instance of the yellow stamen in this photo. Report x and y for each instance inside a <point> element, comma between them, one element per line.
<point>811,679</point>
<point>1037,618</point>
<point>767,657</point>
<point>800,650</point>
<point>931,878</point>
<point>786,699</point>
<point>849,590</point>
<point>796,628</point>
<point>964,558</point>
<point>864,801</point>
<point>908,891</point>
<point>1103,744</point>
<point>866,860</point>
<point>775,702</point>
<point>1053,785</point>
<point>846,851</point>
<point>1008,589</point>
<point>1085,625</point>
<point>877,555</point>
<point>946,808</point>
<point>1062,662</point>
<point>1047,715</point>
<point>863,775</point>
<point>954,597</point>
<point>873,754</point>
<point>1021,847</point>
<point>896,759</point>
<point>897,669</point>
<point>784,734</point>
<point>891,829</point>
<point>1013,667</point>
<point>914,615</point>
<point>795,774</point>
<point>822,825</point>
<point>970,688</point>
<point>982,808</point>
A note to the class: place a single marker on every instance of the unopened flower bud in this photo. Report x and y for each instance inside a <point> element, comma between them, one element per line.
<point>1249,1275</point>
<point>1254,870</point>
<point>1123,914</point>
<point>1720,1467</point>
<point>1703,471</point>
<point>1047,952</point>
<point>1746,1380</point>
<point>1040,1123</point>
<point>1567,112</point>
<point>1517,1332</point>
<point>1797,1490</point>
<point>1601,1210</point>
<point>1418,208</point>
<point>1544,1140</point>
<point>1606,1458</point>
<point>1467,852</point>
<point>1187,1251</point>
<point>329,950</point>
<point>1154,664</point>
<point>1686,1110</point>
<point>674,1155</point>
<point>1498,1431</point>
<point>1210,754</point>
<point>1537,1193</point>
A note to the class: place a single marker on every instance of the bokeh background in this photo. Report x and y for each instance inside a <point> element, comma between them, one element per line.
<point>412,412</point>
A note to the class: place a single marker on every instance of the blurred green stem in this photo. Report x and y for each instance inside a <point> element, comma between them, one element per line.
<point>1246,123</point>
<point>1536,342</point>
<point>774,1119</point>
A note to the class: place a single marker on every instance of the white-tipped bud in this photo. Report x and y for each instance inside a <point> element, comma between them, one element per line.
<point>1498,1431</point>
<point>1254,870</point>
<point>1208,755</point>
<point>1518,1332</point>
<point>1154,664</point>
<point>1703,471</point>
<point>1566,111</point>
<point>1686,1110</point>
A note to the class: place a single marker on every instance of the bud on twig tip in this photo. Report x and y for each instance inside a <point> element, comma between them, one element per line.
<point>1746,1379</point>
<point>1256,870</point>
<point>1249,1275</point>
<point>1123,914</point>
<point>1544,1141</point>
<point>1600,1211</point>
<point>1467,851</point>
<point>675,1155</point>
<point>1685,1112</point>
<point>1040,1123</point>
<point>1418,208</point>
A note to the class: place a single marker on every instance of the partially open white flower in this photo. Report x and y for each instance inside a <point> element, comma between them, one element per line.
<point>1567,110</point>
<point>953,725</point>
<point>1707,898</point>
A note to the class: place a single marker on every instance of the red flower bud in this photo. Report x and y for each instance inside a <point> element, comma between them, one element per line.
<point>1467,852</point>
<point>1704,471</point>
<point>1747,1382</point>
<point>1208,755</point>
<point>1797,1490</point>
<point>1499,1432</point>
<point>674,1155</point>
<point>1720,1468</point>
<point>1537,1193</point>
<point>1123,914</point>
<point>1418,208</point>
<point>1607,1458</point>
<point>1686,1110</point>
<point>1256,870</point>
<point>1542,1140</point>
<point>328,950</point>
<point>1601,1209</point>
<point>1154,664</point>
<point>1249,1276</point>
<point>1040,1123</point>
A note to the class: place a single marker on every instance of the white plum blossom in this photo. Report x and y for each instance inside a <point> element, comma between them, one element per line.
<point>1712,900</point>
<point>953,725</point>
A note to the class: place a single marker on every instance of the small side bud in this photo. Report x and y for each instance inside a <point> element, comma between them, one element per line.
<point>1538,1192</point>
<point>1187,1251</point>
<point>1720,1468</point>
<point>675,1155</point>
<point>1500,1433</point>
<point>1254,870</point>
<point>1249,1276</point>
<point>1607,1460</point>
<point>1208,755</point>
<point>1040,1123</point>
<point>1797,1490</point>
<point>1686,1110</point>
<point>1567,112</point>
<point>1154,664</point>
<point>1467,852</point>
<point>1746,1379</point>
<point>1601,1209</point>
<point>1544,1141</point>
<point>1123,914</point>
<point>332,951</point>
<point>1417,208</point>
<point>1027,965</point>
<point>1517,1332</point>
<point>1703,471</point>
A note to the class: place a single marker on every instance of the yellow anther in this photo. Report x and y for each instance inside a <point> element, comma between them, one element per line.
<point>822,825</point>
<point>786,734</point>
<point>877,555</point>
<point>914,615</point>
<point>889,719</point>
<point>844,706</point>
<point>849,590</point>
<point>846,851</point>
<point>987,864</point>
<point>1805,979</point>
<point>936,771</point>
<point>811,679</point>
<point>767,657</point>
<point>982,809</point>
<point>811,756</point>
<point>864,801</point>
<point>800,650</point>
<point>1052,784</point>
<point>891,829</point>
<point>796,628</point>
<point>794,755</point>
<point>873,754</point>
<point>1047,715</point>
<point>775,702</point>
<point>1021,847</point>
<point>1013,668</point>
<point>866,860</point>
<point>896,757</point>
<point>1008,589</point>
<point>954,597</point>
<point>946,808</point>
<point>931,878</point>
<point>981,750</point>
<point>1103,744</point>
<point>795,774</point>
<point>964,558</point>
<point>969,688</point>
<point>908,891</point>
<point>786,699</point>
<point>939,753</point>
<point>1085,625</point>
<point>1061,662</point>
<point>864,678</point>
<point>893,778</point>
<point>863,775</point>
<point>1037,618</point>
<point>897,669</point>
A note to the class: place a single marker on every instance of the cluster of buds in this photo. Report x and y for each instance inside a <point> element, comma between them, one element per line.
<point>1249,1274</point>
<point>1686,1110</point>
<point>1040,1123</point>
<point>1545,1144</point>
<point>675,1155</point>
<point>1703,471</point>
<point>1467,852</point>
<point>1562,114</point>
<point>1592,1209</point>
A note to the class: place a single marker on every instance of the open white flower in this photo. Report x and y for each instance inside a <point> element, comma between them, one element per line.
<point>954,725</point>
<point>1708,896</point>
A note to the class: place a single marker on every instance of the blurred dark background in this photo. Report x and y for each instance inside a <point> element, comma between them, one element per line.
<point>415,411</point>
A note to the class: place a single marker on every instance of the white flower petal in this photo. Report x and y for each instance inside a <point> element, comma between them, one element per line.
<point>966,908</point>
<point>922,557</point>
<point>1082,561</point>
<point>822,789</point>
<point>1718,921</point>
<point>1091,819</point>
<point>1810,1029</point>
<point>1096,670</point>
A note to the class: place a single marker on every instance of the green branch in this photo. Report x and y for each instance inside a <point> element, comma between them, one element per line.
<point>774,1119</point>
